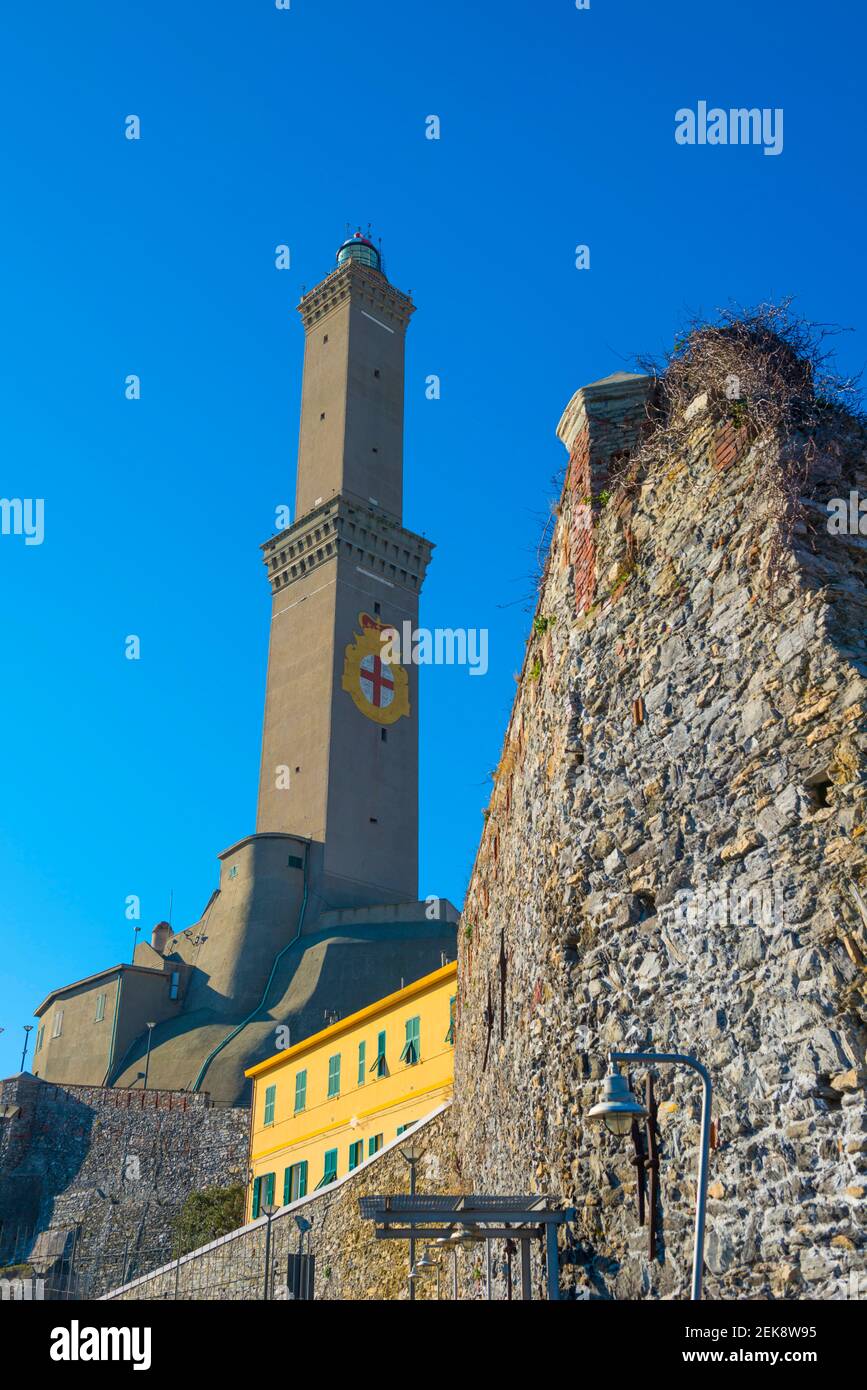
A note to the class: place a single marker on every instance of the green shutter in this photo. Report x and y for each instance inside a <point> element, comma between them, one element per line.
<point>269,1189</point>
<point>362,1058</point>
<point>330,1170</point>
<point>379,1065</point>
<point>270,1102</point>
<point>374,1144</point>
<point>257,1197</point>
<point>334,1076</point>
<point>287,1187</point>
<point>300,1090</point>
<point>412,1046</point>
<point>356,1154</point>
<point>302,1179</point>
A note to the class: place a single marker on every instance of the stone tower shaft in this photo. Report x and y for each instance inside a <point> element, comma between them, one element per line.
<point>340,739</point>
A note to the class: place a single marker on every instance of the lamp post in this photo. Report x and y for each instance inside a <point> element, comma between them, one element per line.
<point>304,1228</point>
<point>446,1243</point>
<point>28,1029</point>
<point>619,1108</point>
<point>411,1153</point>
<point>150,1027</point>
<point>268,1211</point>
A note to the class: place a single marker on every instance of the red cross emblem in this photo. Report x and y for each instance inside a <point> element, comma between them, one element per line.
<point>377,684</point>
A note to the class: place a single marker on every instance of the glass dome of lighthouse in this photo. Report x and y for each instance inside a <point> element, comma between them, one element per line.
<point>359,248</point>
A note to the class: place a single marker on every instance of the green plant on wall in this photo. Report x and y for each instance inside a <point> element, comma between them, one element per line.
<point>207,1215</point>
<point>543,624</point>
<point>738,413</point>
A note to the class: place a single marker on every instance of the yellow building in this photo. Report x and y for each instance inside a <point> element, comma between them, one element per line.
<point>323,1106</point>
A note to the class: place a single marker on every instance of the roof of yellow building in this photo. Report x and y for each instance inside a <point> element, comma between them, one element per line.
<point>343,1025</point>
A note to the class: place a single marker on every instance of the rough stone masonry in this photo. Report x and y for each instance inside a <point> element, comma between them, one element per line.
<point>674,854</point>
<point>103,1173</point>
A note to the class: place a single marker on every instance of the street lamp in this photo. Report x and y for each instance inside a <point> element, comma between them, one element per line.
<point>28,1029</point>
<point>466,1236</point>
<point>619,1107</point>
<point>411,1153</point>
<point>424,1265</point>
<point>150,1027</point>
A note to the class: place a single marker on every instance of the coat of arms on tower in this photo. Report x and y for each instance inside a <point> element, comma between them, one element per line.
<point>378,688</point>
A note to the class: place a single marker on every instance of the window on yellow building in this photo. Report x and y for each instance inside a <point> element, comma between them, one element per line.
<point>412,1046</point>
<point>380,1066</point>
<point>362,1058</point>
<point>300,1090</point>
<point>334,1075</point>
<point>263,1193</point>
<point>450,1035</point>
<point>270,1103</point>
<point>374,1144</point>
<point>356,1154</point>
<point>330,1172</point>
<point>295,1182</point>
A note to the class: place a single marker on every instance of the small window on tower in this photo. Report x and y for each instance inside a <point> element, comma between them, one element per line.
<point>325,338</point>
<point>376,371</point>
<point>322,416</point>
<point>377,608</point>
<point>373,820</point>
<point>383,734</point>
<point>374,451</point>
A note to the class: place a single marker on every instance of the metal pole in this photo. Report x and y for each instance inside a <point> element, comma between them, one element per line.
<point>28,1029</point>
<point>526,1284</point>
<point>455,1274</point>
<point>70,1282</point>
<point>148,1059</point>
<point>685,1060</point>
<point>488,1270</point>
<point>412,1163</point>
<point>265,1293</point>
<point>552,1260</point>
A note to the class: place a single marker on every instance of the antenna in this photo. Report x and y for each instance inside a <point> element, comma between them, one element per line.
<point>171,903</point>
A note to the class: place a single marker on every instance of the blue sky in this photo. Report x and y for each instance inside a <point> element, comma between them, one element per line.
<point>156,257</point>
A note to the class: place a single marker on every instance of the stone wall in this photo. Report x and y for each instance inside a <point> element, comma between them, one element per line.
<point>673,856</point>
<point>676,826</point>
<point>351,1264</point>
<point>113,1165</point>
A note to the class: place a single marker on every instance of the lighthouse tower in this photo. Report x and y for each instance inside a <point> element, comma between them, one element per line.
<point>340,740</point>
<point>316,914</point>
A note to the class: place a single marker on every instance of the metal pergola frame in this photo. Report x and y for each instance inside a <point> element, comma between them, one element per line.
<point>420,1217</point>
